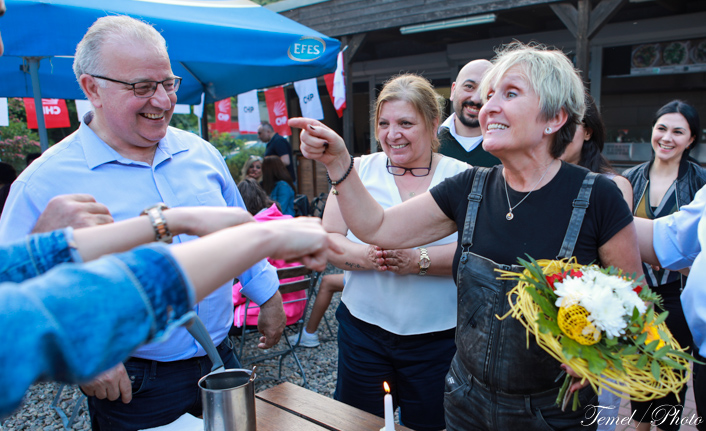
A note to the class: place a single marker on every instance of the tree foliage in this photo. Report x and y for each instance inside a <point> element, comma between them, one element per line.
<point>235,152</point>
<point>16,140</point>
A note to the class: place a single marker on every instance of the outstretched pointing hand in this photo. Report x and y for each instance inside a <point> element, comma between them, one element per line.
<point>320,143</point>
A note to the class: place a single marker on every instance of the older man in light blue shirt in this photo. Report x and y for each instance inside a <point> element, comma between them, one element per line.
<point>125,155</point>
<point>676,242</point>
<point>185,172</point>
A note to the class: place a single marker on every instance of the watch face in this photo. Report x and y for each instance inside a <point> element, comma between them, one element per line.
<point>424,263</point>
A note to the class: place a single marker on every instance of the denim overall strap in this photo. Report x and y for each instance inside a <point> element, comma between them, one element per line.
<point>580,204</point>
<point>474,199</point>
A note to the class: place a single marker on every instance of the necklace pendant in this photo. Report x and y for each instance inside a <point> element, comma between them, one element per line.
<point>411,194</point>
<point>509,216</point>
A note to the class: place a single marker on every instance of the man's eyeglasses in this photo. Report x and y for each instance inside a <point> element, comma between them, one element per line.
<point>417,172</point>
<point>146,89</point>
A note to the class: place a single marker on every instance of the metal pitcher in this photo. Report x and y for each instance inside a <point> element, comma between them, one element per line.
<point>228,396</point>
<point>229,400</point>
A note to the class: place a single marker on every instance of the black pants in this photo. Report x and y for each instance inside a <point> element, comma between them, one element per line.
<point>161,392</point>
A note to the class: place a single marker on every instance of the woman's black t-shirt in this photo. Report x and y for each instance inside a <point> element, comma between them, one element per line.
<point>540,222</point>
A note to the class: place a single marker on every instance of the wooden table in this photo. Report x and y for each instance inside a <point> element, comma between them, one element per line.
<point>292,408</point>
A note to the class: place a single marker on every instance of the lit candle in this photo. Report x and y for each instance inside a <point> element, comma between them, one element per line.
<point>389,412</point>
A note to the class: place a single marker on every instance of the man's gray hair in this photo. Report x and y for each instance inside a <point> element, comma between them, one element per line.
<point>114,28</point>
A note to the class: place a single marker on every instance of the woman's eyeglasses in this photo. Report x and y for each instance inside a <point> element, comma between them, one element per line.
<point>417,172</point>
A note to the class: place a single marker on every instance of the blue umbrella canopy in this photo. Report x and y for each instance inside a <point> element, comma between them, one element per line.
<point>220,47</point>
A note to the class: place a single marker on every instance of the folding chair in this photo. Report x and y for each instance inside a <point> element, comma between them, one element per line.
<point>239,335</point>
<point>317,205</point>
<point>301,205</point>
<point>67,421</point>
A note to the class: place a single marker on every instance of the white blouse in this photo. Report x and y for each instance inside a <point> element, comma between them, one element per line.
<point>401,304</point>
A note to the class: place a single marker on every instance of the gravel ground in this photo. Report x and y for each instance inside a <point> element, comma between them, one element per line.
<point>320,364</point>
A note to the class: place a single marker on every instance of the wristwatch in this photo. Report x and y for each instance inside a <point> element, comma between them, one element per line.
<point>424,261</point>
<point>161,231</point>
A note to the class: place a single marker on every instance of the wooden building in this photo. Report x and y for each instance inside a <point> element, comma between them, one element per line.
<point>635,55</point>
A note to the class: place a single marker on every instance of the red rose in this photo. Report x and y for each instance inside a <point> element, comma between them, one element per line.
<point>638,289</point>
<point>576,273</point>
<point>551,279</point>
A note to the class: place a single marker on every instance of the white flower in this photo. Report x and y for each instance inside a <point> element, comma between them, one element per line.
<point>609,299</point>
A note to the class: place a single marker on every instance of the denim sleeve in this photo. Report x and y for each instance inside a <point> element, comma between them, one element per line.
<point>78,320</point>
<point>278,192</point>
<point>35,255</point>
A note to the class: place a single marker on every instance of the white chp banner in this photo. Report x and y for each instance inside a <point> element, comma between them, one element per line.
<point>339,84</point>
<point>309,101</point>
<point>248,112</point>
<point>82,108</point>
<point>182,109</point>
<point>4,113</point>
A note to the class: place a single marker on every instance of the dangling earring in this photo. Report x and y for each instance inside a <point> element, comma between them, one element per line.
<point>548,130</point>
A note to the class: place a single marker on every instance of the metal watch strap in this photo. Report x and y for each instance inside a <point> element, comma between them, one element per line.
<point>423,255</point>
<point>159,223</point>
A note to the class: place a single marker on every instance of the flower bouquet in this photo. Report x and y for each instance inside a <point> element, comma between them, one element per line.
<point>602,324</point>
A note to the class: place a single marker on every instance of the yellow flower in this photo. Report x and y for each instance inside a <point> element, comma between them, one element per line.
<point>652,335</point>
<point>573,321</point>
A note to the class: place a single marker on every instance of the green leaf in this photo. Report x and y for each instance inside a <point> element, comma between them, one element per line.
<point>639,320</point>
<point>547,307</point>
<point>630,350</point>
<point>641,339</point>
<point>686,356</point>
<point>652,346</point>
<point>642,362</point>
<point>635,314</point>
<point>571,348</point>
<point>549,325</point>
<point>656,370</point>
<point>661,318</point>
<point>670,363</point>
<point>611,342</point>
<point>663,335</point>
<point>595,363</point>
<point>659,354</point>
<point>649,316</point>
<point>618,364</point>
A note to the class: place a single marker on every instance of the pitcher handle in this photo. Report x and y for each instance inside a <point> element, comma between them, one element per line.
<point>197,330</point>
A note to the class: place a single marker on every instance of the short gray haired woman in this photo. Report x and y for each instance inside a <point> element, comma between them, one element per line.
<point>533,101</point>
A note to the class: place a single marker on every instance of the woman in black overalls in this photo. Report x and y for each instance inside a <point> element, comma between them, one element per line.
<point>531,204</point>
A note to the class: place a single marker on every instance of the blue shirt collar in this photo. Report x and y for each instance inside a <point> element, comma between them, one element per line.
<point>98,153</point>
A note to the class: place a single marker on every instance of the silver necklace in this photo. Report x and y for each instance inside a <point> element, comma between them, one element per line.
<point>509,215</point>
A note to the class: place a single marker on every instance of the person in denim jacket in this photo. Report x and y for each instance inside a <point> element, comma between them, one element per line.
<point>66,320</point>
